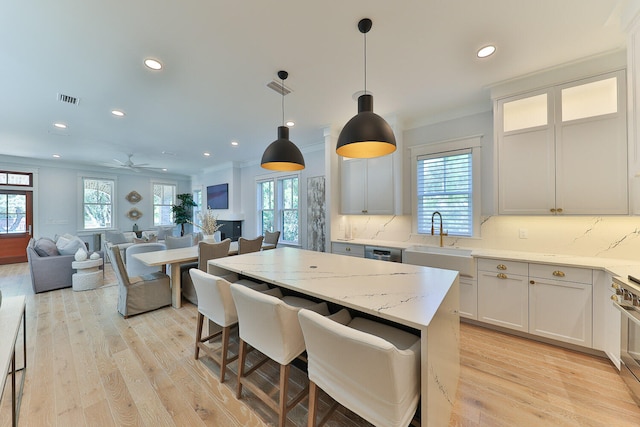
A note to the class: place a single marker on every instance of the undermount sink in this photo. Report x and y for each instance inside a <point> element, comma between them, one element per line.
<point>458,259</point>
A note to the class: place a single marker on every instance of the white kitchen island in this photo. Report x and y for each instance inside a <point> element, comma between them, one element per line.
<point>423,298</point>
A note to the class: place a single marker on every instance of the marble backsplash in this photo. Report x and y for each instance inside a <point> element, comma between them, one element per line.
<point>602,236</point>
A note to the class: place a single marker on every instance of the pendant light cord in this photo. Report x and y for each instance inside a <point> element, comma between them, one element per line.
<point>365,63</point>
<point>282,92</point>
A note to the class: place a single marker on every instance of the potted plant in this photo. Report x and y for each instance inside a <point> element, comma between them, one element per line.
<point>183,211</point>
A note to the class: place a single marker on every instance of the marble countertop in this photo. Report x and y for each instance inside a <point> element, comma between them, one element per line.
<point>402,293</point>
<point>616,267</point>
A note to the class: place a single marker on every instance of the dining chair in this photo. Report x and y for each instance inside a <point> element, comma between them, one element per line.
<point>139,268</point>
<point>206,251</point>
<point>370,368</point>
<point>269,323</point>
<point>246,246</point>
<point>178,242</point>
<point>139,294</point>
<point>216,304</point>
<point>271,238</point>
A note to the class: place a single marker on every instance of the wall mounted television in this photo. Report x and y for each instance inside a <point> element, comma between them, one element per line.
<point>218,196</point>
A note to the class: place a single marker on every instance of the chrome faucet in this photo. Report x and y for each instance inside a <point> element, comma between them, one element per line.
<point>442,233</point>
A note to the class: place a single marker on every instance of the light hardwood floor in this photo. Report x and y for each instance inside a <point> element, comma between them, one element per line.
<point>87,366</point>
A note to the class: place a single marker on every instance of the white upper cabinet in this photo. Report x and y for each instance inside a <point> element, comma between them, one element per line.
<point>563,149</point>
<point>368,186</point>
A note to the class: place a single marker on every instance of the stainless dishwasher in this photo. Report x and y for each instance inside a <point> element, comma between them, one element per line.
<point>383,254</point>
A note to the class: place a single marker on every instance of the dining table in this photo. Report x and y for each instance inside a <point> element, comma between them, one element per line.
<point>423,299</point>
<point>174,258</point>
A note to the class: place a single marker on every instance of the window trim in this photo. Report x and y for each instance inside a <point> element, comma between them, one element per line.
<point>278,209</point>
<point>473,143</point>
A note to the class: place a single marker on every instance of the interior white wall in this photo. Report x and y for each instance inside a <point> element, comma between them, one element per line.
<point>57,195</point>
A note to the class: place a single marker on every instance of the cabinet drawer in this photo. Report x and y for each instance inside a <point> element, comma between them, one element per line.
<point>561,272</point>
<point>502,266</point>
<point>347,249</point>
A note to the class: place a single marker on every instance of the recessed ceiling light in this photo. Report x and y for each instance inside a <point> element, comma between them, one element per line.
<point>154,64</point>
<point>206,154</point>
<point>290,123</point>
<point>486,51</point>
<point>164,169</point>
<point>234,143</point>
<point>56,156</point>
<point>117,113</point>
<point>60,125</point>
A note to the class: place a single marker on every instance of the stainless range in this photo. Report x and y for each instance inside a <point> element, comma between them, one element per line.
<point>627,300</point>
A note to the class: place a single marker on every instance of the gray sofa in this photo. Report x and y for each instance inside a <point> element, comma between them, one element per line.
<point>49,272</point>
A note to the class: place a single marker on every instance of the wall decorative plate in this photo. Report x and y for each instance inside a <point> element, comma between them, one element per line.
<point>134,214</point>
<point>133,197</point>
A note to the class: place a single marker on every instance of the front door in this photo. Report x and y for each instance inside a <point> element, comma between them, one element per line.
<point>16,222</point>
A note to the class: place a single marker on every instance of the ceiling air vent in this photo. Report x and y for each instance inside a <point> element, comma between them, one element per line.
<point>279,87</point>
<point>68,99</point>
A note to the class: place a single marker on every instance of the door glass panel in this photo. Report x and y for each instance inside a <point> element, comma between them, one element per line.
<point>525,113</point>
<point>13,208</point>
<point>589,100</point>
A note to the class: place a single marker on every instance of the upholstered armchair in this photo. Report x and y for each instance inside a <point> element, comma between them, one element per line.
<point>139,294</point>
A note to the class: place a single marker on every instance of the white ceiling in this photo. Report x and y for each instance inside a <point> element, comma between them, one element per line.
<point>218,57</point>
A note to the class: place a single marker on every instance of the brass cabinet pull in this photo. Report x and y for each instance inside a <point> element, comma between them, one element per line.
<point>558,273</point>
<point>553,210</point>
<point>614,297</point>
<point>501,267</point>
<point>348,249</point>
<point>501,276</point>
<point>532,282</point>
<point>615,286</point>
<point>559,210</point>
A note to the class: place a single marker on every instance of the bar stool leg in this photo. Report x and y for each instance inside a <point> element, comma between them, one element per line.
<point>199,323</point>
<point>313,404</point>
<point>241,359</point>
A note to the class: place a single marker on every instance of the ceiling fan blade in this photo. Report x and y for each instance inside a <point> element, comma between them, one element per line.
<point>119,162</point>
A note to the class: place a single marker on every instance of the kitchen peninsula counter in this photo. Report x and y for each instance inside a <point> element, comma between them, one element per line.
<point>422,298</point>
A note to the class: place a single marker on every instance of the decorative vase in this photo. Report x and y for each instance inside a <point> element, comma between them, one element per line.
<point>80,255</point>
<point>208,238</point>
<point>94,255</point>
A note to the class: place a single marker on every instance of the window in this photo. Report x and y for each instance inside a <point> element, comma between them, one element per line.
<point>98,203</point>
<point>197,199</point>
<point>19,179</point>
<point>278,207</point>
<point>446,175</point>
<point>164,196</point>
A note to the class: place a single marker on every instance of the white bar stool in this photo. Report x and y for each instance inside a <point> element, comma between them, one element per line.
<point>269,323</point>
<point>368,367</point>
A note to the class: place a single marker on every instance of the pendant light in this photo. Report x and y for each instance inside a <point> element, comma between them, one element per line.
<point>282,154</point>
<point>367,134</point>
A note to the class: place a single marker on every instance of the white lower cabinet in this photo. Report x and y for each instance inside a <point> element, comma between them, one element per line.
<point>347,249</point>
<point>503,293</point>
<point>468,297</point>
<point>546,300</point>
<point>612,322</point>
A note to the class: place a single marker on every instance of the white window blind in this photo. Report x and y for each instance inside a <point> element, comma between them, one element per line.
<point>444,184</point>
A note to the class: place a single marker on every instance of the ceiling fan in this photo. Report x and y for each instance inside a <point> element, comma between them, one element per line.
<point>133,166</point>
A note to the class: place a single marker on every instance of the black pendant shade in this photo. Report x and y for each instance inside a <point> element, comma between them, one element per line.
<point>282,154</point>
<point>367,134</point>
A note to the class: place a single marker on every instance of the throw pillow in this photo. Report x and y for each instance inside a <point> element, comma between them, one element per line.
<point>46,247</point>
<point>152,239</point>
<point>163,232</point>
<point>70,246</point>
<point>115,237</point>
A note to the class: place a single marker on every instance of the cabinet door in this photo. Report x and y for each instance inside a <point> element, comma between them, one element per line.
<point>353,186</point>
<point>526,155</point>
<point>503,300</point>
<point>468,298</point>
<point>380,195</point>
<point>612,321</point>
<point>561,311</point>
<point>592,167</point>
